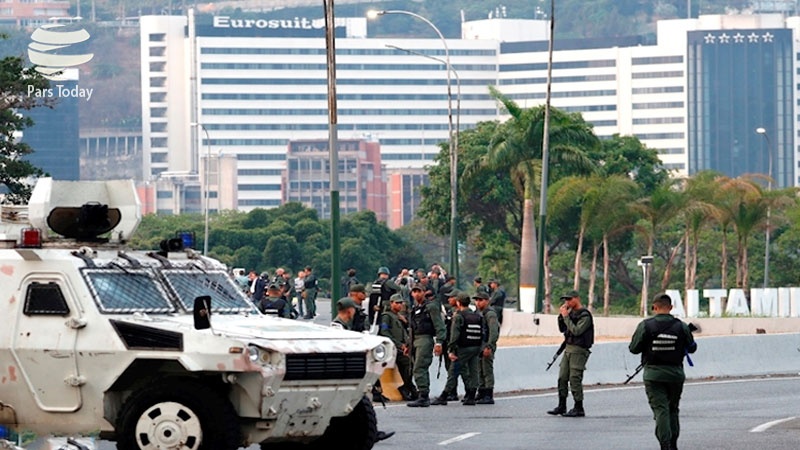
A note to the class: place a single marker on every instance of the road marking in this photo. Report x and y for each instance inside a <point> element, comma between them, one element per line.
<point>458,438</point>
<point>766,426</point>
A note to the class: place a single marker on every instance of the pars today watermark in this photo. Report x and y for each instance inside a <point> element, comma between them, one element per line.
<point>61,91</point>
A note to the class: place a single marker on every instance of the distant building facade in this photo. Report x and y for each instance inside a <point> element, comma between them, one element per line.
<point>26,13</point>
<point>404,195</point>
<point>361,177</point>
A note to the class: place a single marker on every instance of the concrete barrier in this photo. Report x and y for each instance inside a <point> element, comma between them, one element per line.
<point>521,368</point>
<point>522,324</point>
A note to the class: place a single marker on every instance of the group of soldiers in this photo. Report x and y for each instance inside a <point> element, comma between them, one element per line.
<point>274,294</point>
<point>426,316</point>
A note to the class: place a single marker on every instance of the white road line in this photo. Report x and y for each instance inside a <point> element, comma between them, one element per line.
<point>766,426</point>
<point>458,438</point>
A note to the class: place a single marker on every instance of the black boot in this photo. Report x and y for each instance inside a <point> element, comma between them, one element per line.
<point>406,393</point>
<point>422,402</point>
<point>576,411</point>
<point>469,397</point>
<point>487,398</point>
<point>441,400</point>
<point>452,396</point>
<point>666,445</point>
<point>561,408</point>
<point>674,444</point>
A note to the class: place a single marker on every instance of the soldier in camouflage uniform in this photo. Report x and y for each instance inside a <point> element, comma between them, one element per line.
<point>428,335</point>
<point>392,327</point>
<point>486,363</point>
<point>466,342</point>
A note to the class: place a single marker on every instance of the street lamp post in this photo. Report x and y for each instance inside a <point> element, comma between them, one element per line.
<point>763,132</point>
<point>205,186</point>
<point>453,148</point>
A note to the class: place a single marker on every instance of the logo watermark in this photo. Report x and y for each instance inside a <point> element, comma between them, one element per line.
<point>50,50</point>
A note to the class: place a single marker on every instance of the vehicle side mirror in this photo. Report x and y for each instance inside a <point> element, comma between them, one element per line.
<point>202,312</point>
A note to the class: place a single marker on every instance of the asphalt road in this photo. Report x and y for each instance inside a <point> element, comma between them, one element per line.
<point>755,413</point>
<point>715,415</point>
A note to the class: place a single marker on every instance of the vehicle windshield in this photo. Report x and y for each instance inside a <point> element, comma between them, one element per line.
<point>163,291</point>
<point>189,284</point>
<point>128,291</point>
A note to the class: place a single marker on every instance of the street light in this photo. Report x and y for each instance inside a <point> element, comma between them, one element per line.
<point>373,14</point>
<point>644,262</point>
<point>205,184</point>
<point>763,132</point>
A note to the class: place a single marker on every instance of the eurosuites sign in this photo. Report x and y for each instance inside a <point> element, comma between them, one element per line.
<point>266,27</point>
<point>770,302</point>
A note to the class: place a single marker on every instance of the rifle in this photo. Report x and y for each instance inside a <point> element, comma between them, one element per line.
<point>439,370</point>
<point>558,352</point>
<point>635,372</point>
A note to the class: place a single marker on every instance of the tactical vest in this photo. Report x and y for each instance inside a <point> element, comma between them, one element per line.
<point>666,342</point>
<point>421,321</point>
<point>472,330</point>
<point>359,320</point>
<point>274,307</point>
<point>586,340</point>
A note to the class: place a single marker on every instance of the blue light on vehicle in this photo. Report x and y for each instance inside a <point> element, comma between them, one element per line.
<point>187,237</point>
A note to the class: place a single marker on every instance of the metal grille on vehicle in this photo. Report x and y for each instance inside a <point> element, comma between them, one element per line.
<point>325,366</point>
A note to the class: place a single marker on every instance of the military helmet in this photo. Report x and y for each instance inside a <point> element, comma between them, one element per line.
<point>383,269</point>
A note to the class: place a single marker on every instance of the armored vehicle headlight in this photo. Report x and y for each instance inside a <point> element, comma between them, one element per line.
<point>380,353</point>
<point>254,353</point>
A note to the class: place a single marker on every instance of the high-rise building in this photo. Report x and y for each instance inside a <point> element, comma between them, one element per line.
<point>696,95</point>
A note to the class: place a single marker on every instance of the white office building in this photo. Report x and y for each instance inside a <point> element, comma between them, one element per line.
<point>252,85</point>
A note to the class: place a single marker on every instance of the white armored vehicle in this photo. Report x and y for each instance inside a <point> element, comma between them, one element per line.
<point>161,350</point>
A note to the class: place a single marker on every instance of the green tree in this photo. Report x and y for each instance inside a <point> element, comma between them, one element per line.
<point>16,80</point>
<point>517,148</point>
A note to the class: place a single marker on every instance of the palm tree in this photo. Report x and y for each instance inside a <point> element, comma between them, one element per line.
<point>747,207</point>
<point>662,205</point>
<point>518,148</point>
<point>698,211</point>
<point>604,211</point>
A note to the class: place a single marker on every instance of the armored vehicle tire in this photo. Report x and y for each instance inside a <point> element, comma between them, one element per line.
<point>177,414</point>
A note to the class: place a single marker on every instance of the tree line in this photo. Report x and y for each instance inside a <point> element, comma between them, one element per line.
<point>292,237</point>
<point>610,201</point>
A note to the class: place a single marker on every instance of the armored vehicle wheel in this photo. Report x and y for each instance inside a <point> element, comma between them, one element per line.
<point>178,416</point>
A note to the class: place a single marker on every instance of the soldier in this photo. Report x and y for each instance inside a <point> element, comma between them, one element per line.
<point>446,289</point>
<point>428,335</point>
<point>576,323</point>
<point>381,292</point>
<point>310,285</point>
<point>450,391</point>
<point>349,280</point>
<point>479,286</point>
<point>497,299</point>
<point>663,341</point>
<point>358,293</point>
<point>345,311</point>
<point>466,342</point>
<point>392,327</point>
<point>486,363</point>
<point>274,304</point>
